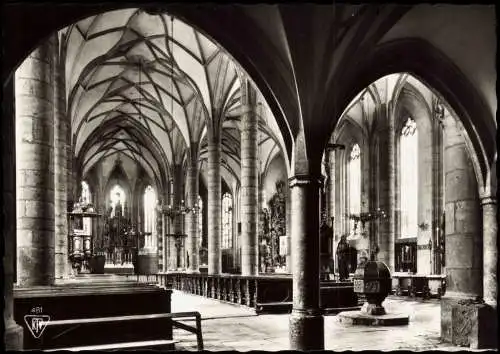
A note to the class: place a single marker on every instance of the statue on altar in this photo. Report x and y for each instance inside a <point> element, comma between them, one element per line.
<point>326,259</point>
<point>343,258</point>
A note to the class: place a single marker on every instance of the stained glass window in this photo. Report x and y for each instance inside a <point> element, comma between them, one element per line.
<point>354,182</point>
<point>149,210</point>
<point>227,221</point>
<point>409,179</point>
<point>200,220</point>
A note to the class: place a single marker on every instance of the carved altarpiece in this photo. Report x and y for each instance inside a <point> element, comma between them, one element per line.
<point>272,227</point>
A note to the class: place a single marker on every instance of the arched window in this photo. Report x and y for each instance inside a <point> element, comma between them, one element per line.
<point>409,179</point>
<point>117,196</point>
<point>354,180</point>
<point>227,221</point>
<point>86,197</point>
<point>149,210</point>
<point>200,219</point>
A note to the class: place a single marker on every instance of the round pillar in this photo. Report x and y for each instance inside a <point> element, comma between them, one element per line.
<point>214,206</point>
<point>34,88</point>
<point>62,267</point>
<point>462,219</point>
<point>391,157</point>
<point>461,313</point>
<point>192,186</point>
<point>490,251</point>
<point>306,321</point>
<point>249,182</point>
<point>13,335</point>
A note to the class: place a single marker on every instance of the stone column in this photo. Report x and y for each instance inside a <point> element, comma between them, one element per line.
<point>463,250</point>
<point>437,182</point>
<point>306,320</point>
<point>214,205</point>
<point>177,221</point>
<point>391,212</point>
<point>13,335</point>
<point>330,156</point>
<point>192,187</point>
<point>163,248</point>
<point>249,181</point>
<point>62,268</point>
<point>490,251</point>
<point>34,88</point>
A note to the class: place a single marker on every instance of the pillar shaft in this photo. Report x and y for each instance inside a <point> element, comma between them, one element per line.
<point>306,321</point>
<point>437,190</point>
<point>490,251</point>
<point>13,335</point>
<point>462,218</point>
<point>249,182</point>
<point>214,206</point>
<point>391,151</point>
<point>34,87</point>
<point>62,267</point>
<point>177,220</point>
<point>192,186</point>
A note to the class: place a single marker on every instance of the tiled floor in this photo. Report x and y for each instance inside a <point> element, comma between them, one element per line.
<point>231,327</point>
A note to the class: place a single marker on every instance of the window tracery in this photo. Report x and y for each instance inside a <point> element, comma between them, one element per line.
<point>149,209</point>
<point>408,170</point>
<point>354,182</point>
<point>227,221</point>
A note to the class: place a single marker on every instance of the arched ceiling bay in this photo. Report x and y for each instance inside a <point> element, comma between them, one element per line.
<point>148,86</point>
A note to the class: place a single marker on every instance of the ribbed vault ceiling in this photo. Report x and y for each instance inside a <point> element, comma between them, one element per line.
<point>148,86</point>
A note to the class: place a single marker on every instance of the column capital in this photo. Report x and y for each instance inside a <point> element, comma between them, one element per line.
<point>303,180</point>
<point>485,200</point>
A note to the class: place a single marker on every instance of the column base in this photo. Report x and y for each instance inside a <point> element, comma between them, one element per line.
<point>469,323</point>
<point>306,331</point>
<point>13,336</point>
<point>147,264</point>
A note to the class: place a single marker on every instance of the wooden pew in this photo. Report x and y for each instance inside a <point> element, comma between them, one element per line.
<point>136,344</point>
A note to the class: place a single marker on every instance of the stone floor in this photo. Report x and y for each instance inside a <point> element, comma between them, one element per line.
<point>231,327</point>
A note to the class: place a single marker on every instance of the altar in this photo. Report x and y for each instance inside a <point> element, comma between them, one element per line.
<point>120,242</point>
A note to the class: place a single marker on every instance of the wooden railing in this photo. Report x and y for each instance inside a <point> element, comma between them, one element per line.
<point>262,292</point>
<point>232,288</point>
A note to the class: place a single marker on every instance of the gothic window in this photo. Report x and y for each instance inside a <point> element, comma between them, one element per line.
<point>86,197</point>
<point>408,187</point>
<point>227,221</point>
<point>117,196</point>
<point>149,209</point>
<point>354,180</point>
<point>200,219</point>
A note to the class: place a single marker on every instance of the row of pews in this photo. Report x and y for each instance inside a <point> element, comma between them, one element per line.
<point>99,313</point>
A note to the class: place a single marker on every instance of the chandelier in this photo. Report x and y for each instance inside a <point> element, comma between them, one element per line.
<point>365,217</point>
<point>175,210</point>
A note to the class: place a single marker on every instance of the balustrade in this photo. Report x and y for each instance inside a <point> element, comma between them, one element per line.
<point>260,292</point>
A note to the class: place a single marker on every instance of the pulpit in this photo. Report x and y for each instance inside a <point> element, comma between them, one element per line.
<point>81,238</point>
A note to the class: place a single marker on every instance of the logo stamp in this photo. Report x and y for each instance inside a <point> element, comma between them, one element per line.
<point>36,321</point>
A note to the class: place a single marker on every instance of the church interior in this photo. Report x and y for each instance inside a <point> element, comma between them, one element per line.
<point>315,162</point>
